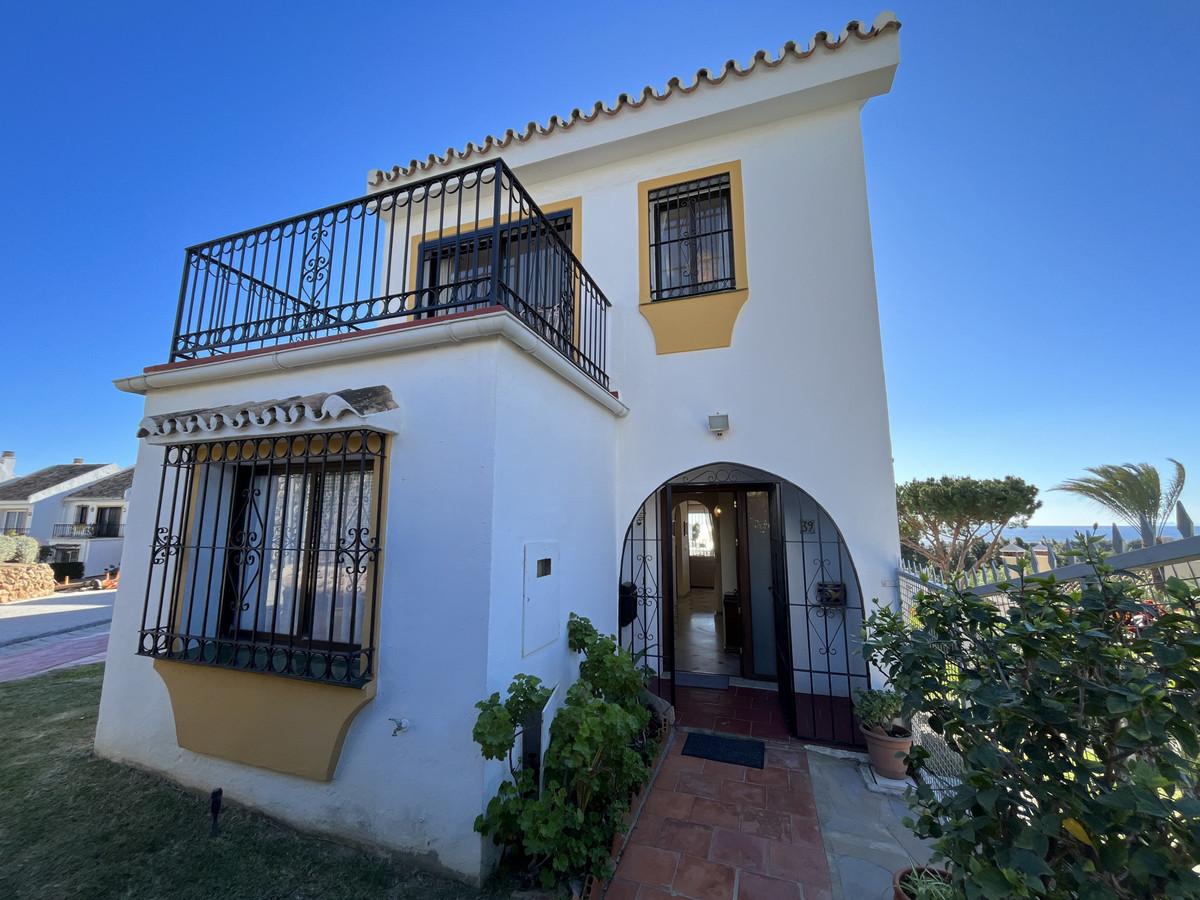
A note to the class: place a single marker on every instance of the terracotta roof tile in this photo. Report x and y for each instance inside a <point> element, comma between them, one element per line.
<point>884,22</point>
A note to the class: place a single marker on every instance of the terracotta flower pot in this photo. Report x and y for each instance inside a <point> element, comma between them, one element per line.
<point>883,749</point>
<point>898,893</point>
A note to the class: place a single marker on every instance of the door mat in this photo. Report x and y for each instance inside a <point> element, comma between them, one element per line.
<point>737,751</point>
<point>702,680</point>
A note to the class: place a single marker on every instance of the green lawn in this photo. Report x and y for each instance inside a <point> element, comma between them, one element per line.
<point>72,825</point>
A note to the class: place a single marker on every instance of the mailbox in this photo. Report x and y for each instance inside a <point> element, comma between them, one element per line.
<point>626,603</point>
<point>831,593</point>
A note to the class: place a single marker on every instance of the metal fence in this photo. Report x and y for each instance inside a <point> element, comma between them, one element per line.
<point>1045,559</point>
<point>1152,567</point>
<point>943,765</point>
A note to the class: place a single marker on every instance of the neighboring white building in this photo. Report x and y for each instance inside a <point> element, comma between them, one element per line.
<point>91,526</point>
<point>37,504</point>
<point>400,439</point>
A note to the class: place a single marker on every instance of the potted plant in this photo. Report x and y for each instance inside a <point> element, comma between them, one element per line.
<point>888,741</point>
<point>923,883</point>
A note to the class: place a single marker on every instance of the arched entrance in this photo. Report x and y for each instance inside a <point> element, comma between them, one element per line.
<point>773,620</point>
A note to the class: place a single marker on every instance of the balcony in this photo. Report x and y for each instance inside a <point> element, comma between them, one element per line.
<point>88,530</point>
<point>467,241</point>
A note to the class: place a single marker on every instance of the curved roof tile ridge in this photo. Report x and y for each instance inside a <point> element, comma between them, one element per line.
<point>884,22</point>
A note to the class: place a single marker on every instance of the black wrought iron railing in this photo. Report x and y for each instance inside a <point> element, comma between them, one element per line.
<point>15,531</point>
<point>455,243</point>
<point>73,529</point>
<point>88,530</point>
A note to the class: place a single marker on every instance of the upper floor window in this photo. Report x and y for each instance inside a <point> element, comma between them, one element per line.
<point>455,272</point>
<point>265,555</point>
<point>692,249</point>
<point>691,240</point>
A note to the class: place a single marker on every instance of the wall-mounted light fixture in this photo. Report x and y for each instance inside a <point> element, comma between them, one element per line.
<point>718,423</point>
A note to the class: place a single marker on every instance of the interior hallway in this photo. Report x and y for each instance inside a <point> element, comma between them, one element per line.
<point>700,635</point>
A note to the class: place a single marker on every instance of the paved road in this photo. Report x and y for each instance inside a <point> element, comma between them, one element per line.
<point>56,632</point>
<point>25,620</point>
<point>59,651</point>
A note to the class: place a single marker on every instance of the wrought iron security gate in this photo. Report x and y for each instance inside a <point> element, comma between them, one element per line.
<point>645,566</point>
<point>825,608</point>
<point>818,603</point>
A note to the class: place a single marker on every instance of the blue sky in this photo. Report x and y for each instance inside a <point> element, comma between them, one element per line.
<point>1032,183</point>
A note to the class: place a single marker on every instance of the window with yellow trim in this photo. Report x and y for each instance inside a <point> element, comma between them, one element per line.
<point>692,254</point>
<point>266,555</point>
<point>691,238</point>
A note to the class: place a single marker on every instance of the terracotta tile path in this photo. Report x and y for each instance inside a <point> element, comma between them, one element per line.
<point>715,831</point>
<point>735,710</point>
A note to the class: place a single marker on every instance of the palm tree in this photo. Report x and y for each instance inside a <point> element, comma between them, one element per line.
<point>1134,492</point>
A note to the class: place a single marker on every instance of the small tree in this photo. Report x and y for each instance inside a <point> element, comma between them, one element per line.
<point>1076,718</point>
<point>957,523</point>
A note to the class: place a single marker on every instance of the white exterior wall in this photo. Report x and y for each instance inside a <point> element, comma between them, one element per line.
<point>98,554</point>
<point>458,510</point>
<point>803,380</point>
<point>554,470</point>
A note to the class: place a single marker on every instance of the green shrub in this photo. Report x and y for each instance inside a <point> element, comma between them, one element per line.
<point>26,550</point>
<point>1076,717</point>
<point>596,760</point>
<point>877,709</point>
<point>18,548</point>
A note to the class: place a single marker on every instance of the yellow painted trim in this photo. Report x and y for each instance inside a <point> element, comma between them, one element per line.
<point>271,721</point>
<point>282,724</point>
<point>705,321</point>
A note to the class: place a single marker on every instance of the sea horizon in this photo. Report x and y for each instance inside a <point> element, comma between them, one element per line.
<point>1064,533</point>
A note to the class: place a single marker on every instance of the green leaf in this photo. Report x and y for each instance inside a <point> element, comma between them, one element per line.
<point>993,883</point>
<point>987,798</point>
<point>1031,864</point>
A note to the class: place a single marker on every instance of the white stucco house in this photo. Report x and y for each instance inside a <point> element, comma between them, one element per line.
<point>77,509</point>
<point>398,440</point>
<point>91,523</point>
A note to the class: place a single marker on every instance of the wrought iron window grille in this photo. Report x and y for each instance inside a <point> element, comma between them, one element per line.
<point>691,239</point>
<point>266,554</point>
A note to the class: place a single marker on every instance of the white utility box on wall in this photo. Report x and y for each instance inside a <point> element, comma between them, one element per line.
<point>542,619</point>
